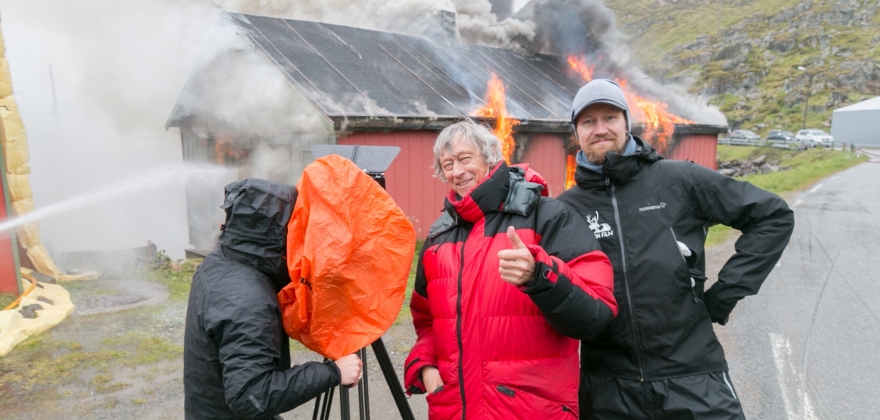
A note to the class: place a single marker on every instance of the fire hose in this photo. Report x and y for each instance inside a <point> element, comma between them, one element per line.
<point>26,292</point>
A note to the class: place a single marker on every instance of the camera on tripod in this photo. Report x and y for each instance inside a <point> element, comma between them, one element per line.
<point>374,161</point>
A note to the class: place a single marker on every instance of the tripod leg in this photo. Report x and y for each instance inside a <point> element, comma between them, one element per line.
<point>317,404</point>
<point>344,404</point>
<point>391,378</point>
<point>364,389</point>
<point>328,401</point>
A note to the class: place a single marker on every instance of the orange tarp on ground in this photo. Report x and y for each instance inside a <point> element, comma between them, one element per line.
<point>349,252</point>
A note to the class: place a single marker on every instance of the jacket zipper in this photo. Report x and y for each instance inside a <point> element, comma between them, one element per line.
<point>458,328</point>
<point>632,318</point>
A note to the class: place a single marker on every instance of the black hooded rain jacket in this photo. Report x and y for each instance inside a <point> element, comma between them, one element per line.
<point>639,208</point>
<point>236,354</point>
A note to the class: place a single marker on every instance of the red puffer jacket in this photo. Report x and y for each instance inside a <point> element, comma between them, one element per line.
<point>506,352</point>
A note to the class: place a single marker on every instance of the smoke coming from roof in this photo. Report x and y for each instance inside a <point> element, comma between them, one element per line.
<point>242,91</point>
<point>589,28</point>
<point>557,27</point>
<point>478,25</point>
<point>96,80</point>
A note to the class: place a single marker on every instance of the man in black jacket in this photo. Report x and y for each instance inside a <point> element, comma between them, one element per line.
<point>236,355</point>
<point>660,358</point>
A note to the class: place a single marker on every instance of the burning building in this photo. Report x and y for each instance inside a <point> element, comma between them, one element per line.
<point>328,84</point>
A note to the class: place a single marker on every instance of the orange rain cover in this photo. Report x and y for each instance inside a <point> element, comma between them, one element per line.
<point>349,252</point>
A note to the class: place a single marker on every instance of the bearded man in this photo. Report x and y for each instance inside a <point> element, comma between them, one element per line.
<point>660,358</point>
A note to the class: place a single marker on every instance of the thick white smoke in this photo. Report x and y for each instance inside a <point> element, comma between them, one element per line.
<point>97,79</point>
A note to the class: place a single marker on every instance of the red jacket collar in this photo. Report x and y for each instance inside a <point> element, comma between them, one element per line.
<point>487,196</point>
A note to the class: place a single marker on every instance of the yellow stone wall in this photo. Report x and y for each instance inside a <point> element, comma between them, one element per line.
<point>17,170</point>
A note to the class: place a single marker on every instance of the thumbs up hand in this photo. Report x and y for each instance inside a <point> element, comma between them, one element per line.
<point>516,265</point>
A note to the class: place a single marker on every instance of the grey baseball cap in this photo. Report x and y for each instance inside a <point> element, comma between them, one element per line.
<point>600,91</point>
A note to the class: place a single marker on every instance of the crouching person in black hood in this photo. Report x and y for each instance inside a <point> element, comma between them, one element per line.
<point>236,354</point>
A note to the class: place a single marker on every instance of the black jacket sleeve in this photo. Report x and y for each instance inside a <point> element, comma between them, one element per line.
<point>766,223</point>
<point>574,281</point>
<point>247,328</point>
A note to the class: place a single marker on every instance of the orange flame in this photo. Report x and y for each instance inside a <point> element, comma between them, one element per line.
<point>570,167</point>
<point>659,122</point>
<point>581,67</point>
<point>226,151</point>
<point>497,108</point>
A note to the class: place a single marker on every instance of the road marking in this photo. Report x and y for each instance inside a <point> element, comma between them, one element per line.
<point>801,407</point>
<point>817,187</point>
<point>834,177</point>
<point>796,203</point>
<point>779,264</point>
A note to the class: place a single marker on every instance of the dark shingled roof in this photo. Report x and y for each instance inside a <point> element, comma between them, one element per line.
<point>370,79</point>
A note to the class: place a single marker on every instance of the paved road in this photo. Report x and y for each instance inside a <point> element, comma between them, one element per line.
<point>808,345</point>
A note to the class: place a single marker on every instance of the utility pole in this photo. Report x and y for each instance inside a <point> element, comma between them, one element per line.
<point>809,93</point>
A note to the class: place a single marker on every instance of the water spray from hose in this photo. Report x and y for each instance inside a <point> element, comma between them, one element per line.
<point>161,177</point>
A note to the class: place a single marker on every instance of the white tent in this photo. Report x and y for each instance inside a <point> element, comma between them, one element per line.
<point>858,123</point>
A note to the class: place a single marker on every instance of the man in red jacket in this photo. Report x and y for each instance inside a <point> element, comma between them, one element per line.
<point>508,281</point>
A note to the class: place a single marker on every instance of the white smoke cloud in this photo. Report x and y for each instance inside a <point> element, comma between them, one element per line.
<point>98,117</point>
<point>243,91</point>
<point>118,67</point>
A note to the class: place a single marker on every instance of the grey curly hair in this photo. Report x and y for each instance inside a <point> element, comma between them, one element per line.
<point>470,131</point>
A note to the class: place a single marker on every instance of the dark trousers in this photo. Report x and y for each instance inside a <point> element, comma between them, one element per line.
<point>705,396</point>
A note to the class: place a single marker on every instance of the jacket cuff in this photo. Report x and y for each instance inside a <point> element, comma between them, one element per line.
<point>545,272</point>
<point>335,373</point>
<point>412,375</point>
<point>718,310</point>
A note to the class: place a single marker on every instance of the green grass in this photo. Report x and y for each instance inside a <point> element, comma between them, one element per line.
<point>717,235</point>
<point>655,29</point>
<point>41,361</point>
<point>805,168</point>
<point>6,299</point>
<point>405,316</point>
<point>676,23</point>
<point>176,277</point>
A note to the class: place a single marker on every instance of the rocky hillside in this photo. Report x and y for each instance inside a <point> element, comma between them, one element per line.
<point>745,54</point>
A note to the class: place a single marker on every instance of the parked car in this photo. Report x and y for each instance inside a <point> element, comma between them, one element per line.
<point>744,137</point>
<point>783,139</point>
<point>812,138</point>
<point>780,135</point>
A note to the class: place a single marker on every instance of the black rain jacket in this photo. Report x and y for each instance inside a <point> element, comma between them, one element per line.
<point>638,210</point>
<point>236,355</point>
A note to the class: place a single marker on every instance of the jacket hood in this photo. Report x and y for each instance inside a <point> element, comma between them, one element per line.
<point>255,230</point>
<point>618,168</point>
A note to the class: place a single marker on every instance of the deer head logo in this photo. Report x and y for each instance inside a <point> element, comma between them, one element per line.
<point>593,221</point>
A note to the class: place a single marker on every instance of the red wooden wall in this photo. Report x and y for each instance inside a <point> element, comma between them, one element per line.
<point>409,179</point>
<point>546,154</point>
<point>700,148</point>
